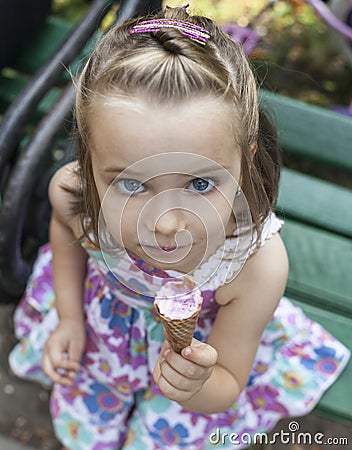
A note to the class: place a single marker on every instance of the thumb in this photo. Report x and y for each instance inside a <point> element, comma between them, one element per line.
<point>75,350</point>
<point>200,353</point>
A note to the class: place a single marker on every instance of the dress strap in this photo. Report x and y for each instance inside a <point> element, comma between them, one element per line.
<point>226,263</point>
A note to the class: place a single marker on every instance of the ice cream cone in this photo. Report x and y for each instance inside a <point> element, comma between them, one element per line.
<point>180,314</point>
<point>180,331</point>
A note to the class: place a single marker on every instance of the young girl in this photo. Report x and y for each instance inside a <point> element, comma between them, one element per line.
<point>177,173</point>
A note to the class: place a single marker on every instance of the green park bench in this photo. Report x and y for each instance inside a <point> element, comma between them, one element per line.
<point>318,225</point>
<point>317,212</point>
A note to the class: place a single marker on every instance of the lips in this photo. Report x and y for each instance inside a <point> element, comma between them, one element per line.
<point>165,248</point>
<point>168,249</point>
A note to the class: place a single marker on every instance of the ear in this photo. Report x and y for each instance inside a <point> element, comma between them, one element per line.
<point>253,147</point>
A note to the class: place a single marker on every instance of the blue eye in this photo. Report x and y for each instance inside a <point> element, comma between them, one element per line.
<point>130,186</point>
<point>201,185</point>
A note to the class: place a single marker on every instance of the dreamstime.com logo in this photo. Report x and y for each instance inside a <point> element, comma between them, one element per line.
<point>290,436</point>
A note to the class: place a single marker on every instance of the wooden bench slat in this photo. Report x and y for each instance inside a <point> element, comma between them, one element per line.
<point>316,202</point>
<point>337,401</point>
<point>310,131</point>
<point>320,267</point>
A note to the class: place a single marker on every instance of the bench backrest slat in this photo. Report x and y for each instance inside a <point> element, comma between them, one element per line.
<point>320,266</point>
<point>328,206</point>
<point>311,132</point>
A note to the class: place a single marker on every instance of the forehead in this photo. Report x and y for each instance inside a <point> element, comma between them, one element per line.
<point>126,131</point>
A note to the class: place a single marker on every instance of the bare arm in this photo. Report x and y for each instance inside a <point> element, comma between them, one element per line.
<point>69,269</point>
<point>210,379</point>
<point>64,348</point>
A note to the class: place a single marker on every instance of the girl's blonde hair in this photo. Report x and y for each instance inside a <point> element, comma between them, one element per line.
<point>169,67</point>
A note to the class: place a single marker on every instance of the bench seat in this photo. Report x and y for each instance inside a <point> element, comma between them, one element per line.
<point>336,403</point>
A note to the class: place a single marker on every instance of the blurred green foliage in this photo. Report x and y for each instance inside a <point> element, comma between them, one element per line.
<point>297,54</point>
<point>70,10</point>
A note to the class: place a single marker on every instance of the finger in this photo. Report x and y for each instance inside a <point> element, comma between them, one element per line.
<point>54,374</point>
<point>164,351</point>
<point>57,353</point>
<point>58,359</point>
<point>166,345</point>
<point>171,392</point>
<point>156,372</point>
<point>199,353</point>
<point>75,351</point>
<point>68,365</point>
<point>47,366</point>
<point>187,368</point>
<point>166,335</point>
<point>176,379</point>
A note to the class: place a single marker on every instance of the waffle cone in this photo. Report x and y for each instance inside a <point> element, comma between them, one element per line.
<point>180,331</point>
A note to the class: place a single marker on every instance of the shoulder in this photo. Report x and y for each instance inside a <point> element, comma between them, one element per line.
<point>246,306</point>
<point>264,275</point>
<point>62,186</point>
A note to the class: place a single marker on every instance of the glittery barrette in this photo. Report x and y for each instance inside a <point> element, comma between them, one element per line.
<point>192,31</point>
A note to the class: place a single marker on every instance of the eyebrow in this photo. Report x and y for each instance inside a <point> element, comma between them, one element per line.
<point>113,169</point>
<point>211,169</point>
<point>217,168</point>
<point>116,170</point>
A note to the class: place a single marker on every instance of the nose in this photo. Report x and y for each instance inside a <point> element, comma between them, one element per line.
<point>165,214</point>
<point>170,222</point>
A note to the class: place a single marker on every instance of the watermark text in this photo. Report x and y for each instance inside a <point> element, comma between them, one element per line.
<point>290,436</point>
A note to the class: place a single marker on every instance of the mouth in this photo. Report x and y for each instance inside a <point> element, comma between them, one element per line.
<point>168,249</point>
<point>164,248</point>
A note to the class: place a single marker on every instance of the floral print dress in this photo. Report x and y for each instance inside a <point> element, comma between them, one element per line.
<point>115,404</point>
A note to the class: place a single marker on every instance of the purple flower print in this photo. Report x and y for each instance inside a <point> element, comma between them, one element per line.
<point>258,369</point>
<point>296,350</point>
<point>118,312</point>
<point>326,362</point>
<point>126,386</point>
<point>110,445</point>
<point>104,367</point>
<point>292,380</point>
<point>134,289</point>
<point>167,434</point>
<point>138,347</point>
<point>103,402</point>
<point>70,393</point>
<point>264,397</point>
<point>54,407</point>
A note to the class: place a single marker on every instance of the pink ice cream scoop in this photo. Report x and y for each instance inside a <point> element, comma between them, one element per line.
<point>178,304</point>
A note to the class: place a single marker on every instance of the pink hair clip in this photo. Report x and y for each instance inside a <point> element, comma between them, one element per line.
<point>192,31</point>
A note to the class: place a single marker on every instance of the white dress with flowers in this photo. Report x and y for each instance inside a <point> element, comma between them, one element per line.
<point>115,403</point>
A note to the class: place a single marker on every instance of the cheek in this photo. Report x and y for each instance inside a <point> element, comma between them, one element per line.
<point>223,206</point>
<point>112,221</point>
<point>212,219</point>
<point>105,193</point>
<point>112,209</point>
<point>128,220</point>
